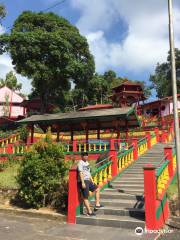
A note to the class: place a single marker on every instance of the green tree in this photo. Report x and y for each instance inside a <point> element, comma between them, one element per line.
<point>49,50</point>
<point>2,12</point>
<point>161,79</point>
<point>110,76</point>
<point>6,107</point>
<point>42,171</point>
<point>146,88</point>
<point>97,91</point>
<point>10,81</point>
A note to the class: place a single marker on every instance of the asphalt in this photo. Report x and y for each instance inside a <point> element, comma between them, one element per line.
<point>28,228</point>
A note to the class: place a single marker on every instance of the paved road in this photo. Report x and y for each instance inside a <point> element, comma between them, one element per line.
<point>25,228</point>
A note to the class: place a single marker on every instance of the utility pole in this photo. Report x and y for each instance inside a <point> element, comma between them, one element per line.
<point>174,86</point>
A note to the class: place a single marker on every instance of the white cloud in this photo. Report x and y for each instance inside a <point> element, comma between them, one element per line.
<point>6,66</point>
<point>146,42</point>
<point>2,29</point>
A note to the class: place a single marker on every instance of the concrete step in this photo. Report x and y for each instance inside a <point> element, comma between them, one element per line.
<point>111,221</point>
<point>130,195</point>
<point>147,159</point>
<point>136,191</point>
<point>132,212</point>
<point>130,177</point>
<point>152,155</point>
<point>138,170</point>
<point>118,195</point>
<point>132,173</point>
<point>124,203</point>
<point>128,185</point>
<point>150,158</point>
<point>143,163</point>
<point>129,181</point>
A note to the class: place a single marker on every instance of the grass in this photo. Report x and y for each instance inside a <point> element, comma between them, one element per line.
<point>8,176</point>
<point>172,190</point>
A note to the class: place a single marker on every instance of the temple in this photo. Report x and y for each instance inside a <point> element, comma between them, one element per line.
<point>127,111</point>
<point>127,94</point>
<point>33,106</point>
<point>115,120</point>
<point>10,104</point>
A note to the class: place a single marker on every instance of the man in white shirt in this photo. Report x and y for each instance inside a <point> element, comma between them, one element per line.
<point>86,184</point>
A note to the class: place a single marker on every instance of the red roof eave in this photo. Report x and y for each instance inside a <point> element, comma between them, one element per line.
<point>97,106</point>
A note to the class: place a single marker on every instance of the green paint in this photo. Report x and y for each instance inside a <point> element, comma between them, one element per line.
<point>174,179</point>
<point>161,168</point>
<point>159,210</point>
<point>125,152</point>
<point>93,152</point>
<point>141,142</point>
<point>101,168</point>
<point>163,201</point>
<point>78,212</point>
<point>153,134</point>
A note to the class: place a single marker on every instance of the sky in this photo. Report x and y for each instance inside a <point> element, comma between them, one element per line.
<point>127,36</point>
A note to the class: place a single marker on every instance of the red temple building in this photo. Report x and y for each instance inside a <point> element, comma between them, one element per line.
<point>127,94</point>
<point>33,106</point>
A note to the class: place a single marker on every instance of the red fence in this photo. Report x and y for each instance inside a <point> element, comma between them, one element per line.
<point>156,182</point>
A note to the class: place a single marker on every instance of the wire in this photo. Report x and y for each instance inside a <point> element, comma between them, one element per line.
<point>53,6</point>
<point>45,10</point>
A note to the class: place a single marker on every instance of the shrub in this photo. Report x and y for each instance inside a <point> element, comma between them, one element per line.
<point>23,132</point>
<point>42,172</point>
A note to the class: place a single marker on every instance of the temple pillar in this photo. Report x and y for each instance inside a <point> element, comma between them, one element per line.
<point>72,135</point>
<point>58,133</point>
<point>98,133</point>
<point>32,133</point>
<point>87,134</point>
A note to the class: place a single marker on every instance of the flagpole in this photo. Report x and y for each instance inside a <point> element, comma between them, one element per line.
<point>175,100</point>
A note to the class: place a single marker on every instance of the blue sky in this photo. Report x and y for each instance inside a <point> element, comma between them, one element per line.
<point>128,36</point>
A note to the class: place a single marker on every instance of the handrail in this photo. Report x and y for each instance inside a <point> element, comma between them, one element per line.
<point>101,167</point>
<point>164,158</point>
<point>161,168</point>
<point>102,161</point>
<point>121,154</point>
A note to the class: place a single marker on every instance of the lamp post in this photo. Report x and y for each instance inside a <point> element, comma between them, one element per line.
<point>174,86</point>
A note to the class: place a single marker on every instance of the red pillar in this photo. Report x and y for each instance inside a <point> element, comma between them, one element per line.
<point>150,196</point>
<point>75,146</point>
<point>156,130</point>
<point>32,133</point>
<point>148,136</point>
<point>9,149</point>
<point>113,155</point>
<point>163,137</point>
<point>135,148</point>
<point>169,153</point>
<point>119,143</point>
<point>171,132</point>
<point>73,198</point>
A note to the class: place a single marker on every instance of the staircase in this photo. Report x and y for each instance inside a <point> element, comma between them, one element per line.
<point>123,201</point>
